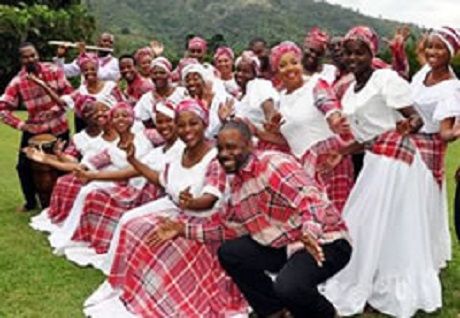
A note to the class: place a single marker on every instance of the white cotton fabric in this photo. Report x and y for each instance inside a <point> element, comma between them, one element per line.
<point>436,99</point>
<point>329,73</point>
<point>373,110</point>
<point>258,91</point>
<point>144,108</point>
<point>104,96</point>
<point>305,124</point>
<point>391,265</point>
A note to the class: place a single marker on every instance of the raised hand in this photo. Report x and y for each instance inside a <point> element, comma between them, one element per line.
<point>185,197</point>
<point>157,47</point>
<point>313,247</point>
<point>275,122</point>
<point>129,148</point>
<point>339,124</point>
<point>226,109</point>
<point>34,154</point>
<point>208,94</point>
<point>327,162</point>
<point>81,47</point>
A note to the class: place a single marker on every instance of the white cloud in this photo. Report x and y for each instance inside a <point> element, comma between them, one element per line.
<point>427,13</point>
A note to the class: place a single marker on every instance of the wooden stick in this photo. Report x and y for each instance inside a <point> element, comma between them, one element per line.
<point>75,45</point>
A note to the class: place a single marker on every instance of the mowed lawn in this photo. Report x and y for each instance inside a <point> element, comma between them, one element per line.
<point>35,283</point>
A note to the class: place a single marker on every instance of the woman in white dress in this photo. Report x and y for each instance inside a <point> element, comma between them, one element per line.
<point>223,61</point>
<point>122,118</point>
<point>433,90</point>
<point>177,277</point>
<point>391,267</point>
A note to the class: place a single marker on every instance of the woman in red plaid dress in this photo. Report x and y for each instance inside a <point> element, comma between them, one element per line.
<point>391,267</point>
<point>122,118</point>
<point>308,120</point>
<point>104,207</point>
<point>433,90</point>
<point>180,278</point>
<point>83,146</point>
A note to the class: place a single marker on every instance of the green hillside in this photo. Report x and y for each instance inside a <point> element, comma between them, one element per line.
<point>136,22</point>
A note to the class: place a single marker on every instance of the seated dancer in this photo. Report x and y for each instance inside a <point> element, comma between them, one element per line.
<point>91,86</point>
<point>179,278</point>
<point>164,91</point>
<point>310,121</point>
<point>278,220</point>
<point>136,85</point>
<point>199,86</point>
<point>107,64</point>
<point>38,85</point>
<point>104,207</point>
<point>122,118</point>
<point>68,186</point>
<point>223,61</point>
<point>391,267</point>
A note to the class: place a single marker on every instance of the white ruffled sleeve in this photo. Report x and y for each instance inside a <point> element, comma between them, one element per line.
<point>449,107</point>
<point>396,90</point>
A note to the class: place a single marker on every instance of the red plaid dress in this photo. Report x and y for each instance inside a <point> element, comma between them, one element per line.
<point>64,193</point>
<point>431,147</point>
<point>180,278</point>
<point>103,209</point>
<point>44,115</point>
<point>338,181</point>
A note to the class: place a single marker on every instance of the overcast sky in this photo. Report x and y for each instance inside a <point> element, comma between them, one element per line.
<point>428,13</point>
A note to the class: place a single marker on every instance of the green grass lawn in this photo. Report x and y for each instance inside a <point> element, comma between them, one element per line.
<point>35,283</point>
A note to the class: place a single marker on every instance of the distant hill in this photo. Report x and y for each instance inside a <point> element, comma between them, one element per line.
<point>136,22</point>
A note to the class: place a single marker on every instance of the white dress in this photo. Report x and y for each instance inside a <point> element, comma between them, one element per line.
<point>250,106</point>
<point>62,238</point>
<point>391,265</point>
<point>105,94</point>
<point>156,159</point>
<point>175,180</point>
<point>427,101</point>
<point>88,147</point>
<point>145,108</point>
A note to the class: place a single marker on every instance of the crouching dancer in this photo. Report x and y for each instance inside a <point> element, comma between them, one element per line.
<point>284,224</point>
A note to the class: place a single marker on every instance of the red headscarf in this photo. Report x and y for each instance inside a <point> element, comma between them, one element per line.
<point>86,58</point>
<point>450,37</point>
<point>365,34</point>
<point>194,106</point>
<point>252,58</point>
<point>316,37</point>
<point>143,52</point>
<point>123,106</point>
<point>224,51</point>
<point>198,42</point>
<point>284,47</point>
<point>163,63</point>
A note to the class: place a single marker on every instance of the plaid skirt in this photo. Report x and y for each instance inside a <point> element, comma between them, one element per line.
<point>180,278</point>
<point>64,193</point>
<point>103,208</point>
<point>337,182</point>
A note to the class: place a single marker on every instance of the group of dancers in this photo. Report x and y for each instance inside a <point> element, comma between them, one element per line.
<point>292,181</point>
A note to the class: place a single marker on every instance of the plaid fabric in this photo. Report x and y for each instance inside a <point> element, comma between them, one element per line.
<point>431,147</point>
<point>432,150</point>
<point>100,160</point>
<point>342,83</point>
<point>44,115</point>
<point>394,145</point>
<point>180,278</point>
<point>275,201</point>
<point>265,145</point>
<point>325,99</point>
<point>64,193</point>
<point>399,61</point>
<point>71,150</point>
<point>337,182</point>
<point>103,208</point>
<point>138,87</point>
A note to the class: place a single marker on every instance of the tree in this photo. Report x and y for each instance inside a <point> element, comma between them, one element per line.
<point>39,24</point>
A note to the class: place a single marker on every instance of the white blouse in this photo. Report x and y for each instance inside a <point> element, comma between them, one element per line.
<point>250,106</point>
<point>373,110</point>
<point>429,100</point>
<point>305,124</point>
